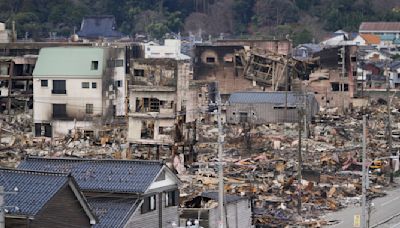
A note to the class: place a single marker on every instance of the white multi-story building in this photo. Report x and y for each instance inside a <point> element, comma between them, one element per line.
<point>170,50</point>
<point>77,88</point>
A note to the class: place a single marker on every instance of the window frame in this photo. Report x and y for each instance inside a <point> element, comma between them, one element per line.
<point>94,65</point>
<point>46,84</point>
<point>89,109</point>
<point>85,85</point>
<point>149,204</point>
<point>94,85</point>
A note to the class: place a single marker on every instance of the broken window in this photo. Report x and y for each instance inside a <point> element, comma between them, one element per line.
<point>95,65</point>
<point>44,83</point>
<point>85,85</point>
<point>138,72</point>
<point>243,117</point>
<point>118,83</point>
<point>335,86</point>
<point>89,108</point>
<point>59,87</point>
<point>161,130</point>
<point>149,204</point>
<point>147,130</point>
<point>210,60</point>
<point>43,129</point>
<point>171,198</point>
<point>94,85</point>
<point>115,63</point>
<point>59,111</point>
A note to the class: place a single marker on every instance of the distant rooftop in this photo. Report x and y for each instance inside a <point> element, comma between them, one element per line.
<point>98,27</point>
<point>379,26</point>
<point>123,176</point>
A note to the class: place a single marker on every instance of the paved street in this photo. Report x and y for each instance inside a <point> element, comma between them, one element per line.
<point>386,212</point>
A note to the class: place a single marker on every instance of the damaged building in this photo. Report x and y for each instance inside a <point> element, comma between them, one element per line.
<point>158,96</point>
<point>78,88</point>
<point>16,89</point>
<point>269,107</point>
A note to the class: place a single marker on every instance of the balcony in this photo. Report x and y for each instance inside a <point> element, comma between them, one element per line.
<point>58,91</point>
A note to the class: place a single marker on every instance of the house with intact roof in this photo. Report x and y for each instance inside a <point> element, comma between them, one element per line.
<point>77,88</point>
<point>122,193</point>
<point>99,27</point>
<point>389,32</point>
<point>44,200</point>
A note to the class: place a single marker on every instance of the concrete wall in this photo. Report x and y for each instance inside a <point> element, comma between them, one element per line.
<point>75,99</point>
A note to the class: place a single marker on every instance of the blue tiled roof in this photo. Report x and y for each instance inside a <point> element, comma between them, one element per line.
<point>124,176</point>
<point>266,97</point>
<point>99,26</point>
<point>113,212</point>
<point>34,189</point>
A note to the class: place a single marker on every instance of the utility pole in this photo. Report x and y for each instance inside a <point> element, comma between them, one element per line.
<point>343,53</point>
<point>364,175</point>
<point>389,122</point>
<point>300,160</point>
<point>220,165</point>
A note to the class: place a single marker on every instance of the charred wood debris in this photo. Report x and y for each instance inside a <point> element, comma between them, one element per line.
<point>260,161</point>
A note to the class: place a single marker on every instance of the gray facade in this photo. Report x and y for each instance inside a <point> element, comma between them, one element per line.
<point>269,107</point>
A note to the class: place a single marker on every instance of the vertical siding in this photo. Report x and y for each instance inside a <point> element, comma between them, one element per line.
<point>63,210</point>
<point>238,215</point>
<point>151,219</point>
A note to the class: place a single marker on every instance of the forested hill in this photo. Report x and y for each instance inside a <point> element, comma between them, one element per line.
<point>301,19</point>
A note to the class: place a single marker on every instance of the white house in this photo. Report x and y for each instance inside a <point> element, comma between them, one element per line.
<point>77,88</point>
<point>171,49</point>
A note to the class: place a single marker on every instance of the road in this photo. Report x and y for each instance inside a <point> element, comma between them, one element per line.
<point>385,214</point>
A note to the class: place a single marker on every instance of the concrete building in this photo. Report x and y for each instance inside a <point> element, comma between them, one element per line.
<point>5,34</point>
<point>170,50</point>
<point>269,107</point>
<point>158,96</point>
<point>77,88</point>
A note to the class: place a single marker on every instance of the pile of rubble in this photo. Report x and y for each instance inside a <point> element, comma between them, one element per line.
<point>17,141</point>
<point>261,163</point>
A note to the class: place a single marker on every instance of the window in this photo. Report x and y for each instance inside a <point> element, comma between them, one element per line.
<point>138,72</point>
<point>171,198</point>
<point>210,59</point>
<point>59,111</point>
<point>95,65</point>
<point>115,63</point>
<point>149,204</point>
<point>59,87</point>
<point>44,83</point>
<point>118,83</point>
<point>243,117</point>
<point>283,107</point>
<point>89,108</point>
<point>85,85</point>
<point>94,85</point>
<point>162,130</point>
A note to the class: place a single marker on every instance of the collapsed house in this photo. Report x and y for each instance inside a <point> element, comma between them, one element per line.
<point>78,88</point>
<point>269,107</point>
<point>34,200</point>
<point>129,193</point>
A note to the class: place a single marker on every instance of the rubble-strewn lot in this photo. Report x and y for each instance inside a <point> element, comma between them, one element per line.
<point>260,161</point>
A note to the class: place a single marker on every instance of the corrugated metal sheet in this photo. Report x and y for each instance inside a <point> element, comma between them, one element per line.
<point>266,97</point>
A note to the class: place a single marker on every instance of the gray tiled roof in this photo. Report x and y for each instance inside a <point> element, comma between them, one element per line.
<point>34,189</point>
<point>266,97</point>
<point>124,176</point>
<point>99,26</point>
<point>113,212</point>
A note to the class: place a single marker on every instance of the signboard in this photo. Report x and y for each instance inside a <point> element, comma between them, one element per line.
<point>357,221</point>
